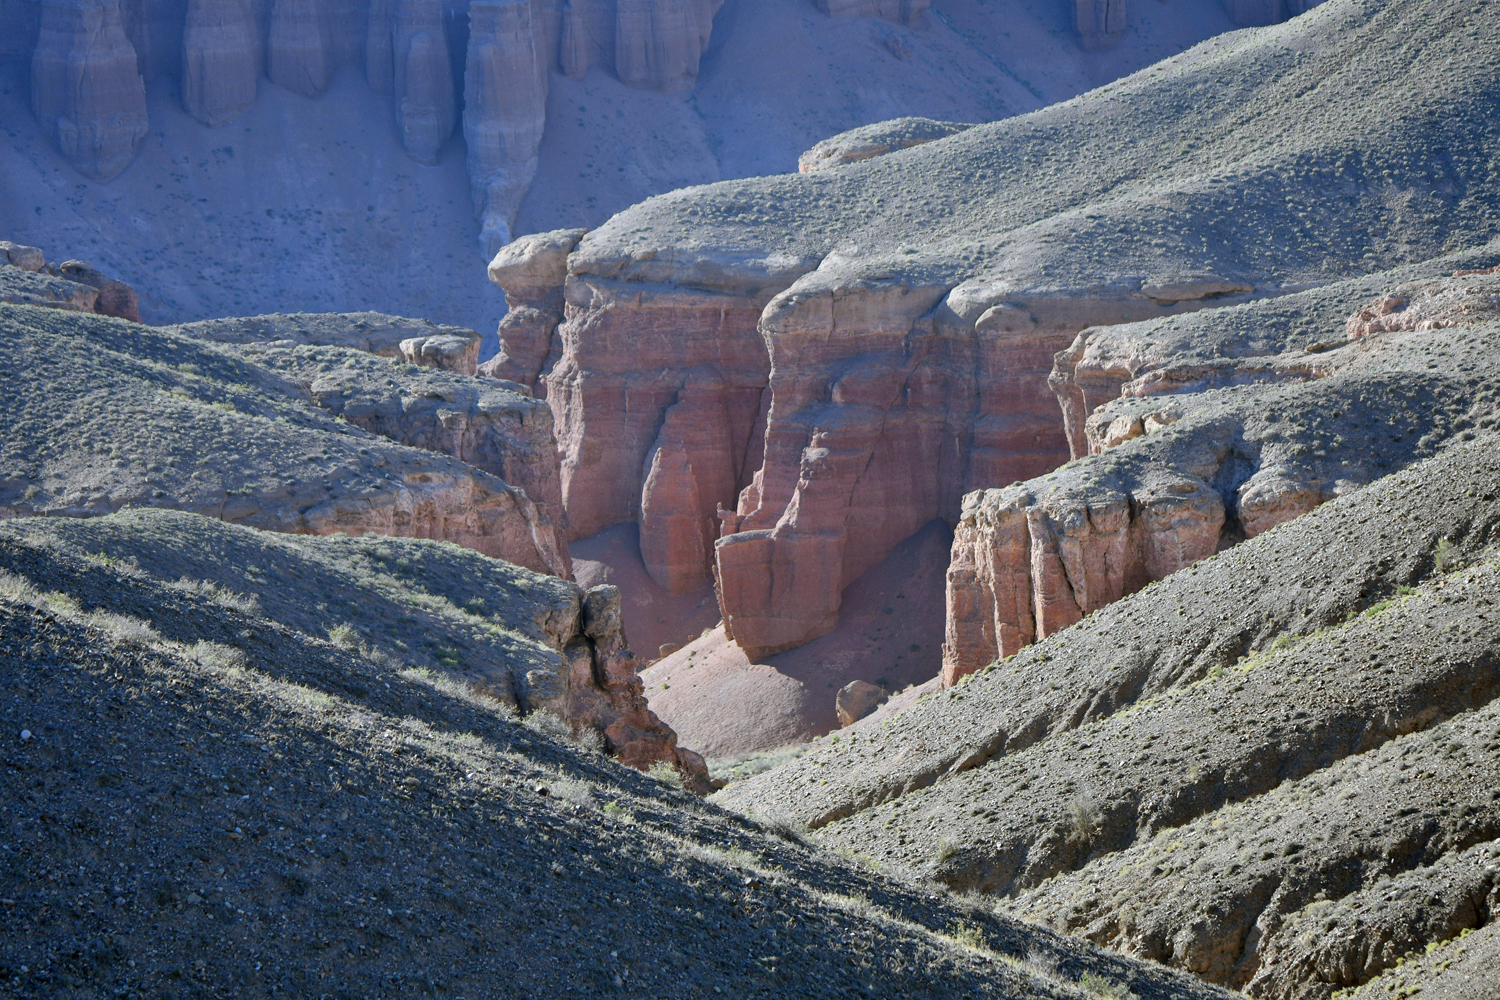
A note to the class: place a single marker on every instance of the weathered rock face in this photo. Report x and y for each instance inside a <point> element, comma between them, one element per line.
<point>418,341</point>
<point>491,426</point>
<point>658,43</point>
<point>648,43</point>
<point>298,55</point>
<point>1100,23</point>
<point>900,11</point>
<point>422,74</point>
<point>531,270</point>
<point>1434,304</point>
<point>505,110</point>
<point>221,60</point>
<point>202,452</point>
<point>73,285</point>
<point>875,140</point>
<point>1269,438</point>
<point>86,89</point>
<point>601,690</point>
<point>909,308</point>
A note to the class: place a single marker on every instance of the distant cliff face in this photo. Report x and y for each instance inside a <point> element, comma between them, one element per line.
<point>481,66</point>
<point>91,60</point>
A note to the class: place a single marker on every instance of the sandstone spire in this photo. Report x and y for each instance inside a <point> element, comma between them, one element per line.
<point>220,60</point>
<point>86,88</point>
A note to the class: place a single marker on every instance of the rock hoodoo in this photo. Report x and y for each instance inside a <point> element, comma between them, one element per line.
<point>86,88</point>
<point>816,365</point>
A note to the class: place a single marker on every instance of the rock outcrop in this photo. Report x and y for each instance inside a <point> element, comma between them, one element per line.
<point>869,141</point>
<point>214,437</point>
<point>505,110</point>
<point>418,341</point>
<point>86,89</point>
<point>494,427</point>
<point>1174,477</point>
<point>221,60</point>
<point>27,279</point>
<point>531,271</point>
<point>426,104</point>
<point>909,308</point>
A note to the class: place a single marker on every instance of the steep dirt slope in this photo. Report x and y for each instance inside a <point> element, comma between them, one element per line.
<point>835,358</point>
<point>199,793</point>
<point>102,413</point>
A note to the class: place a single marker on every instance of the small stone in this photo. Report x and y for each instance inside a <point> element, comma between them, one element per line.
<point>25,735</point>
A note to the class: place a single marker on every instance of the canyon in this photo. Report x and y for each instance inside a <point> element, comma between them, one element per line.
<point>779,380</point>
<point>376,180</point>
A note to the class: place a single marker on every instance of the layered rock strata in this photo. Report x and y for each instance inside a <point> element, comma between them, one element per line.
<point>879,338</point>
<point>491,426</point>
<point>221,60</point>
<point>108,424</point>
<point>86,89</point>
<point>531,271</point>
<point>1312,573</point>
<point>1182,475</point>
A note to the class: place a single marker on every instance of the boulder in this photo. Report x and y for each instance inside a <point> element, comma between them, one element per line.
<point>24,257</point>
<point>115,297</point>
<point>454,352</point>
<point>858,699</point>
<point>86,88</point>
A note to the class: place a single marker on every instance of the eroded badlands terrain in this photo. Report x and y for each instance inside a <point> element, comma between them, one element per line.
<point>1071,540</point>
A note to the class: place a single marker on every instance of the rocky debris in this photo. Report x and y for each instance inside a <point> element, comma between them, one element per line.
<point>116,414</point>
<point>495,427</point>
<point>861,347</point>
<point>221,60</point>
<point>1392,918</point>
<point>531,271</point>
<point>339,794</point>
<point>1310,573</point>
<point>86,89</point>
<point>1215,467</point>
<point>452,348</point>
<point>27,279</point>
<point>858,699</point>
<point>1430,305</point>
<point>869,141</point>
<point>1317,886</point>
<point>1464,968</point>
<point>908,12</point>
